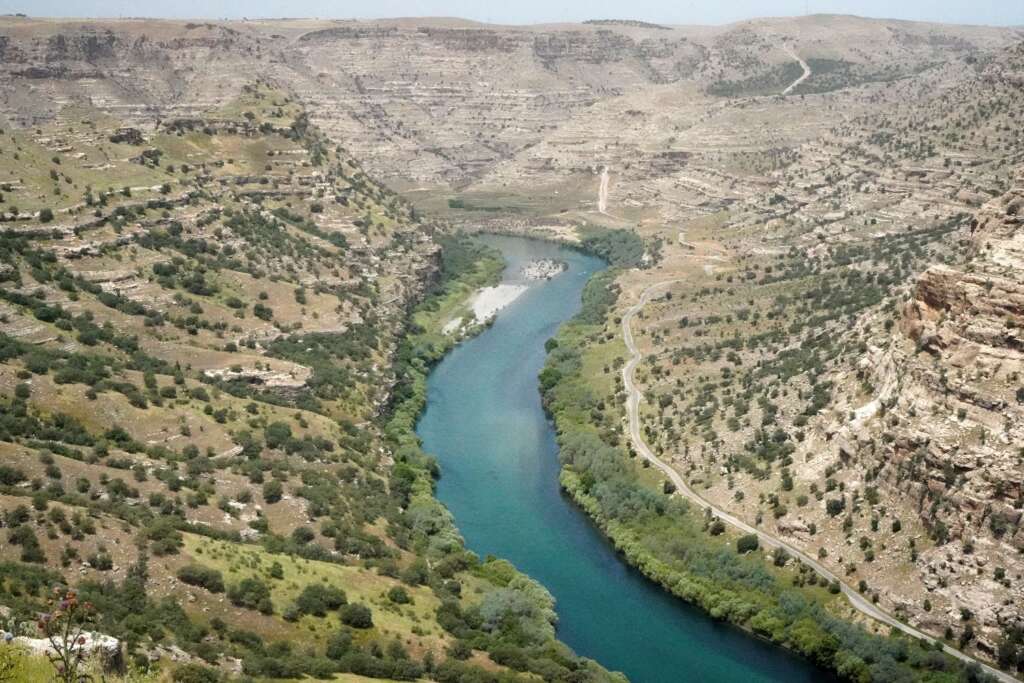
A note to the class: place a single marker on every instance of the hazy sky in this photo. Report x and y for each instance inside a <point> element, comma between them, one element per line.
<point>1001,12</point>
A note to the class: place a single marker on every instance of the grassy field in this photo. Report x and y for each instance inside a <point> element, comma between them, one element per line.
<point>413,622</point>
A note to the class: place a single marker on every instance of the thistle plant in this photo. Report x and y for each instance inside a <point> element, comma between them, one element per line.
<point>64,627</point>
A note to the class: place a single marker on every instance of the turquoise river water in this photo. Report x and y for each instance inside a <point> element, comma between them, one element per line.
<point>499,464</point>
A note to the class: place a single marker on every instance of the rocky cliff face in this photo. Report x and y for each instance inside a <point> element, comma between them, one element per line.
<point>963,394</point>
<point>948,438</point>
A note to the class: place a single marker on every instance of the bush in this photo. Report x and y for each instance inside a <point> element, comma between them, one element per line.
<point>164,537</point>
<point>460,650</point>
<point>101,562</point>
<point>263,312</point>
<point>339,644</point>
<point>46,215</point>
<point>251,593</point>
<point>11,476</point>
<point>318,598</point>
<point>357,616</point>
<point>195,673</point>
<point>204,577</point>
<point>399,596</point>
<point>272,491</point>
<point>277,434</point>
<point>31,551</point>
<point>303,535</point>
<point>747,543</point>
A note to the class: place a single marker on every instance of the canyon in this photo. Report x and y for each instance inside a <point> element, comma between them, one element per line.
<point>834,205</point>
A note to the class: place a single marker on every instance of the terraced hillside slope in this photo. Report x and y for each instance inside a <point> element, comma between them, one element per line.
<point>804,367</point>
<point>200,332</point>
<point>448,102</point>
<point>832,357</point>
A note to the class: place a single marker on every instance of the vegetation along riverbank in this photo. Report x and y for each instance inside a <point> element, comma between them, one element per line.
<point>513,618</point>
<point>691,555</point>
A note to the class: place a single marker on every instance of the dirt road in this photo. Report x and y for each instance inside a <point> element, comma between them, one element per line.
<point>803,65</point>
<point>634,395</point>
<point>602,193</point>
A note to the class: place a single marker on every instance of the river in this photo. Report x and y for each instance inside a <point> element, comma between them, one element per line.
<point>499,464</point>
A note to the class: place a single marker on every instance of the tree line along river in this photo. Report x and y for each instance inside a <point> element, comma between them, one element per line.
<point>499,461</point>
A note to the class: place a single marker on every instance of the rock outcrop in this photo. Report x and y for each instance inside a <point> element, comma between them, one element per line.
<point>949,441</point>
<point>962,403</point>
<point>107,648</point>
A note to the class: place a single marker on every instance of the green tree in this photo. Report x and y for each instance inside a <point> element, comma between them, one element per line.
<point>747,543</point>
<point>357,616</point>
<point>272,491</point>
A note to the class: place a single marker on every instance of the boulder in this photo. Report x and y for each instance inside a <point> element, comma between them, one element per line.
<point>107,648</point>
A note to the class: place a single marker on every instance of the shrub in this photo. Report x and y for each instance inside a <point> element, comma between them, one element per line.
<point>262,312</point>
<point>164,537</point>
<point>277,434</point>
<point>399,596</point>
<point>31,551</point>
<point>204,577</point>
<point>339,644</point>
<point>272,491</point>
<point>357,616</point>
<point>460,650</point>
<point>195,673</point>
<point>11,476</point>
<point>318,598</point>
<point>251,593</point>
<point>747,543</point>
<point>101,562</point>
<point>303,535</point>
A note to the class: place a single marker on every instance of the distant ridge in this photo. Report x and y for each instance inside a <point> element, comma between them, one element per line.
<point>626,22</point>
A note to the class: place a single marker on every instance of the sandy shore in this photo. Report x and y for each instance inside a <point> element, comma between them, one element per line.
<point>452,326</point>
<point>490,300</point>
<point>485,304</point>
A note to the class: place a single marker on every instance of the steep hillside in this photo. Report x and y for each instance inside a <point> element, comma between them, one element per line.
<point>947,436</point>
<point>201,286</point>
<point>444,102</point>
<point>199,348</point>
<point>783,344</point>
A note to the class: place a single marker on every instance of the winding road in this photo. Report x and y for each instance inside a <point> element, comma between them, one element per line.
<point>633,409</point>
<point>803,65</point>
